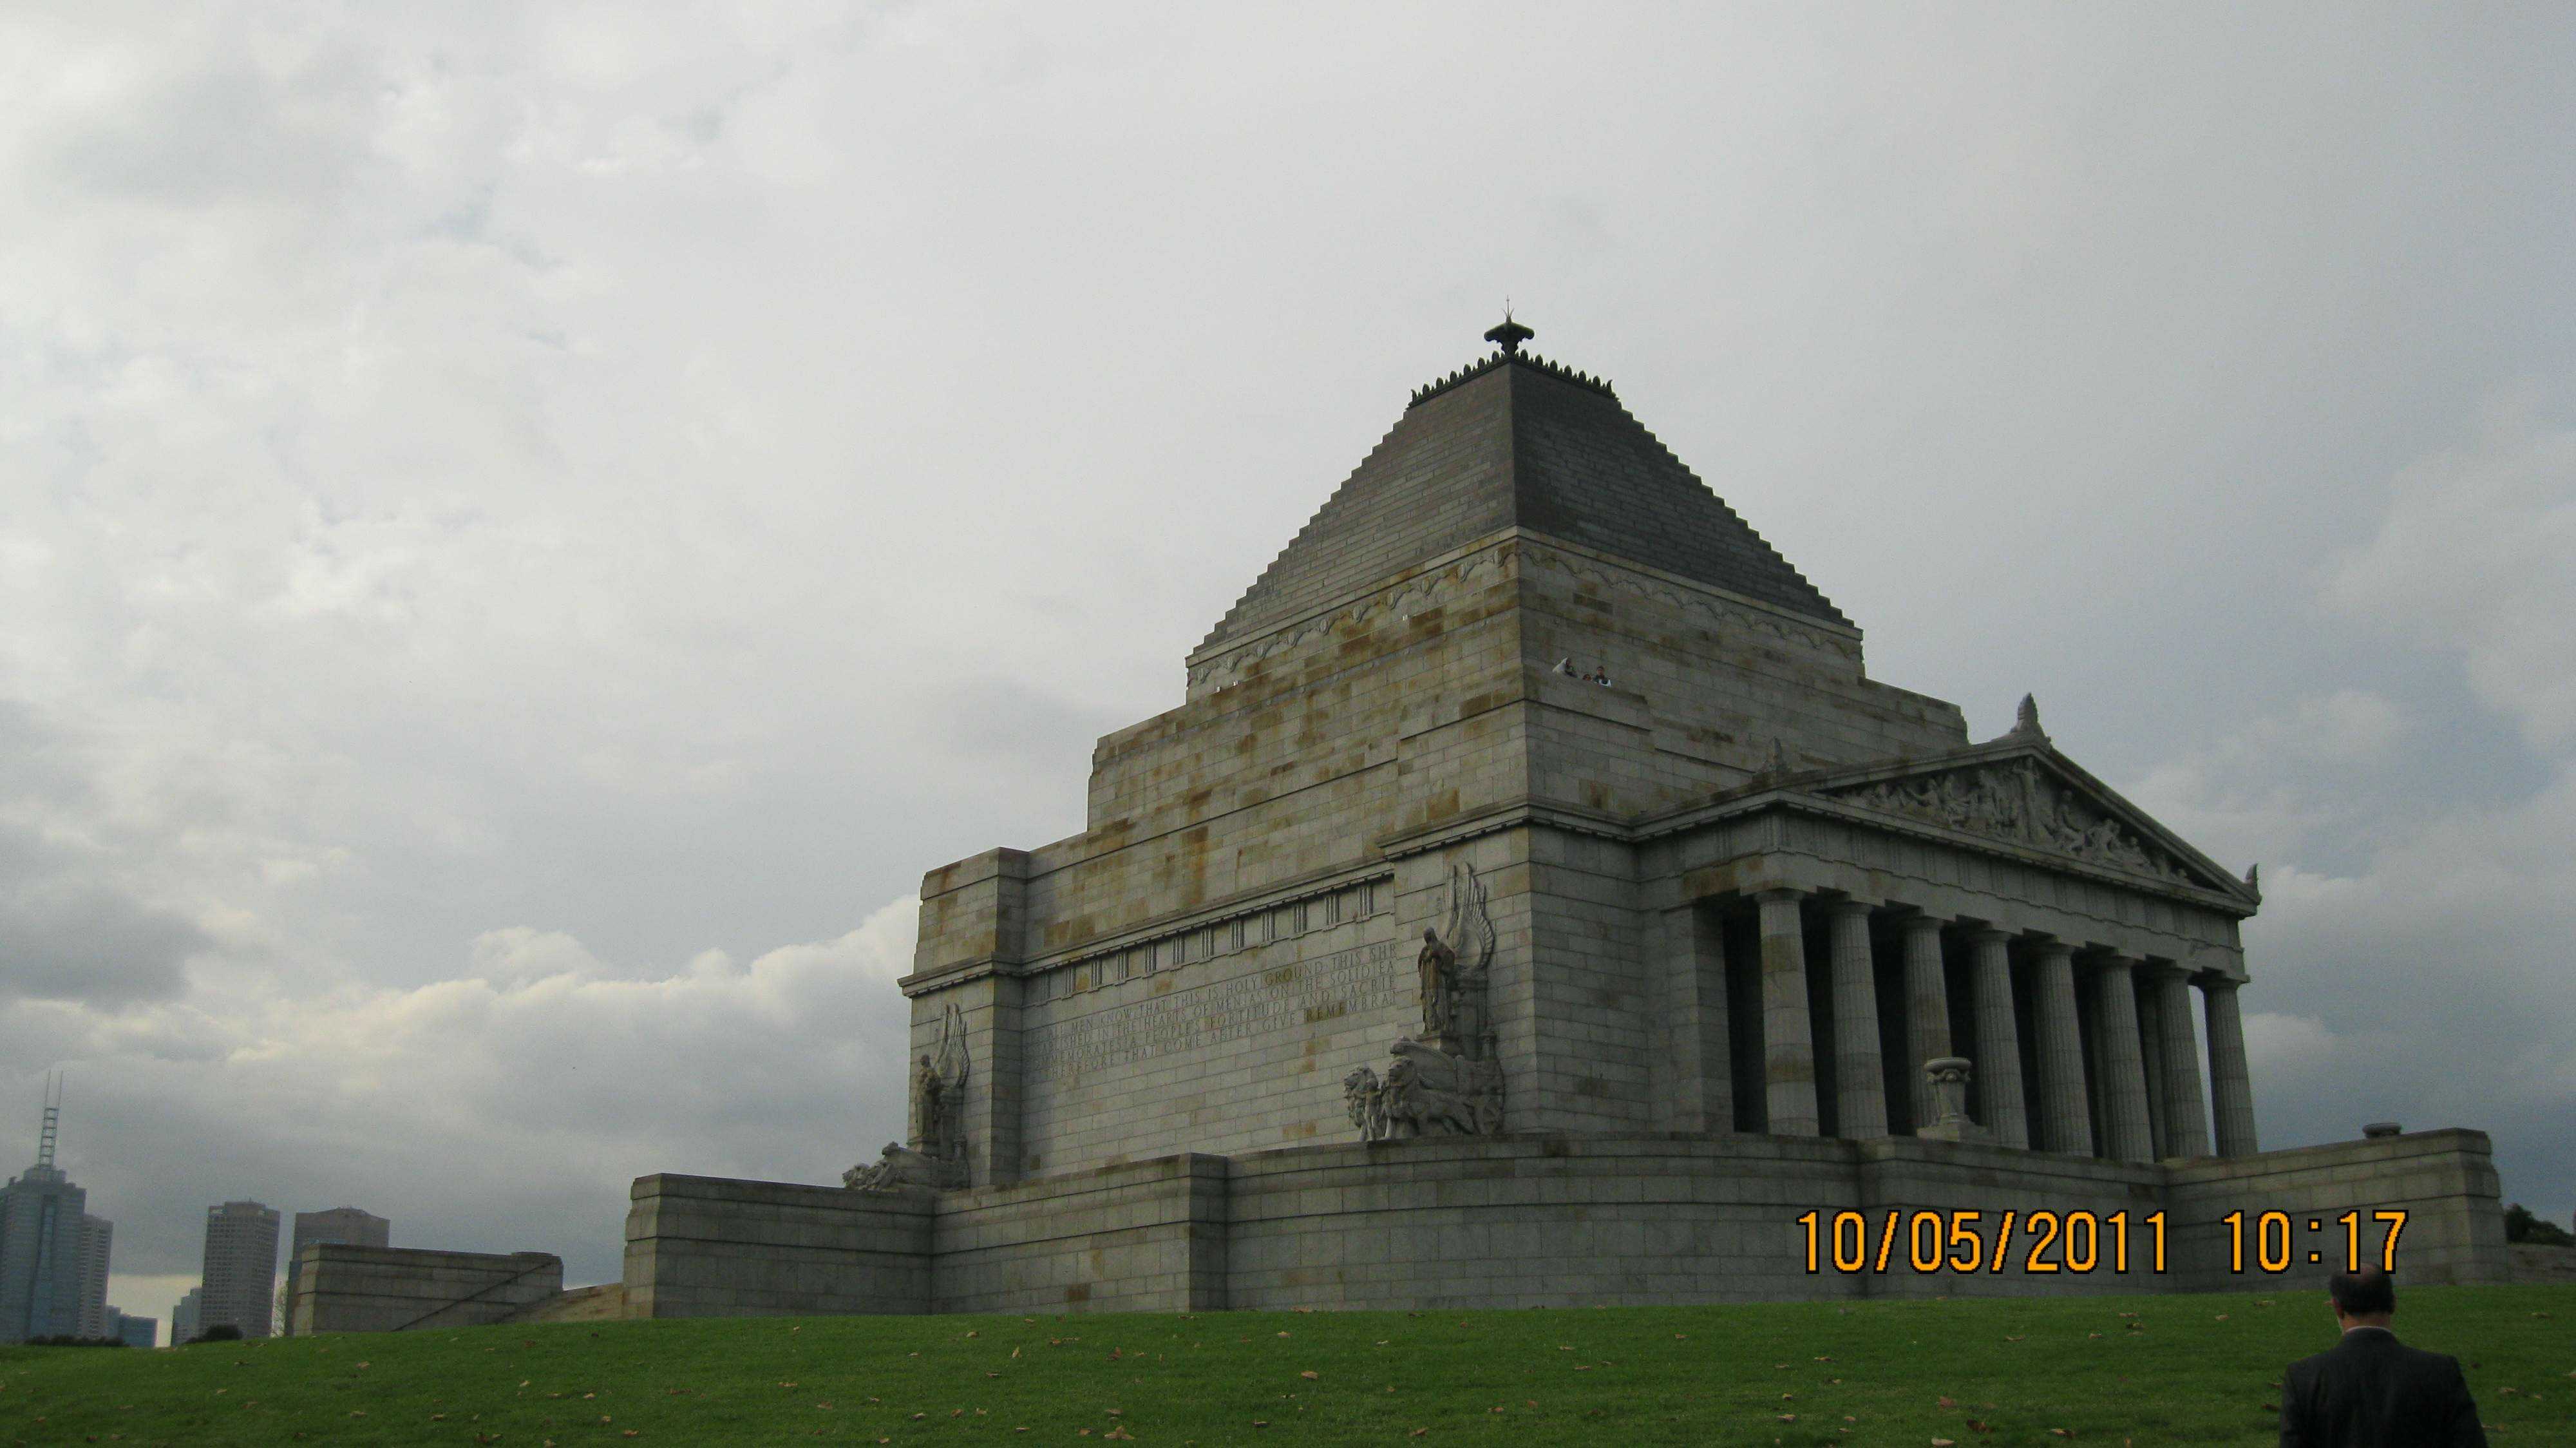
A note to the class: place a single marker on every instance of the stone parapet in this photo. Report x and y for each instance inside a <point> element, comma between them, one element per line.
<point>2445,1181</point>
<point>1521,1221</point>
<point>716,1247</point>
<point>345,1288</point>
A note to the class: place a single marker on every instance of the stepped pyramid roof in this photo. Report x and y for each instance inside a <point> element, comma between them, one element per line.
<point>1516,441</point>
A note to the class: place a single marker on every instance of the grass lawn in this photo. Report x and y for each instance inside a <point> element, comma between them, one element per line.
<point>2148,1370</point>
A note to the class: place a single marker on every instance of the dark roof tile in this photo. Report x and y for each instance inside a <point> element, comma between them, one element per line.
<point>1516,441</point>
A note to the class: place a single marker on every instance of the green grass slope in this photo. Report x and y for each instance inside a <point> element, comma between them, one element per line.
<point>2144,1370</point>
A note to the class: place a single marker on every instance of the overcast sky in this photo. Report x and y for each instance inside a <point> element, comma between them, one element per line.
<point>524,532</point>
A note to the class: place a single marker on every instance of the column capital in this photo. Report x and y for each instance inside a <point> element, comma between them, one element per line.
<point>1989,934</point>
<point>1846,905</point>
<point>2049,946</point>
<point>1919,922</point>
<point>1779,893</point>
<point>2212,982</point>
<point>2117,960</point>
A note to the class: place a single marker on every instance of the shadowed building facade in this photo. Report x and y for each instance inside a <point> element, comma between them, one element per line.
<point>341,1226</point>
<point>240,1282</point>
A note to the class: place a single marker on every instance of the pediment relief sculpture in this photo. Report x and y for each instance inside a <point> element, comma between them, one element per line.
<point>2023,803</point>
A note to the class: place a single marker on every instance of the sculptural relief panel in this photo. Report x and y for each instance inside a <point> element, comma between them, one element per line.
<point>2022,803</point>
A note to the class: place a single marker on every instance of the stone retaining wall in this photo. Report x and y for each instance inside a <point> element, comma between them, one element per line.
<point>2535,1263</point>
<point>344,1288</point>
<point>1528,1221</point>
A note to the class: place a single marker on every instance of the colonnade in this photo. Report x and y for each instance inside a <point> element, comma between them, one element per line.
<point>2096,1058</point>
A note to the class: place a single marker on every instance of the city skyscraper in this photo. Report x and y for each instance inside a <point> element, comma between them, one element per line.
<point>186,1318</point>
<point>97,1234</point>
<point>240,1284</point>
<point>346,1225</point>
<point>131,1330</point>
<point>42,1240</point>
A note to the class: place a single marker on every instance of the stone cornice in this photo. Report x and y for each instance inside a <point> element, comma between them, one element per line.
<point>1793,798</point>
<point>1157,928</point>
<point>1509,814</point>
<point>1532,360</point>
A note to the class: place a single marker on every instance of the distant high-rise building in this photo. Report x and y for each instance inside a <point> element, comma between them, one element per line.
<point>41,1244</point>
<point>346,1225</point>
<point>241,1268</point>
<point>131,1330</point>
<point>96,1235</point>
<point>185,1319</point>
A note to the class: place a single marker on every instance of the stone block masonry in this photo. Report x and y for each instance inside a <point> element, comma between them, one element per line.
<point>1533,900</point>
<point>341,1287</point>
<point>1521,1221</point>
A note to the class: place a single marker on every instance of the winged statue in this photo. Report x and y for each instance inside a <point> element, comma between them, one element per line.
<point>1446,1081</point>
<point>936,1155</point>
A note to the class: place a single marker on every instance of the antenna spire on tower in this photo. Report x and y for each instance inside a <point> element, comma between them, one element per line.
<point>53,1119</point>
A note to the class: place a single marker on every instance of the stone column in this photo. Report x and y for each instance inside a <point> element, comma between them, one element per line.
<point>1998,1063</point>
<point>1788,1032</point>
<point>2151,1026</point>
<point>1860,1079</point>
<point>1927,1011</point>
<point>2124,1067</point>
<point>2066,1123</point>
<point>2186,1118</point>
<point>1690,1073</point>
<point>2230,1084</point>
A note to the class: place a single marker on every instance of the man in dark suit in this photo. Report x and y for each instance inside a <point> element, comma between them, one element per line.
<point>2373,1391</point>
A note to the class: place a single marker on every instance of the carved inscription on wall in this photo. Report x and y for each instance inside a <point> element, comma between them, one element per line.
<point>1281,999</point>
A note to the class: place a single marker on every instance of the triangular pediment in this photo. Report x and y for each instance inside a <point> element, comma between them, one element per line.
<point>2021,791</point>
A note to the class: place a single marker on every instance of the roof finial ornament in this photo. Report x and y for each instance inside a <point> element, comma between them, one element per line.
<point>1510,335</point>
<point>2026,719</point>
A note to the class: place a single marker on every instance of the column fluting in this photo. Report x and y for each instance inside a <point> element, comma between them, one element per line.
<point>1788,1031</point>
<point>1860,1079</point>
<point>2124,1067</point>
<point>1998,1061</point>
<point>2066,1123</point>
<point>2231,1085</point>
<point>1927,1011</point>
<point>2186,1117</point>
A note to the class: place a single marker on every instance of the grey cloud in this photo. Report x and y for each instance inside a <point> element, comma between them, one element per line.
<point>70,940</point>
<point>835,518</point>
<point>225,132</point>
<point>992,718</point>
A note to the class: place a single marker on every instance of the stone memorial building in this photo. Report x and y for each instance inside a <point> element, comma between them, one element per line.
<point>1525,679</point>
<point>1535,901</point>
